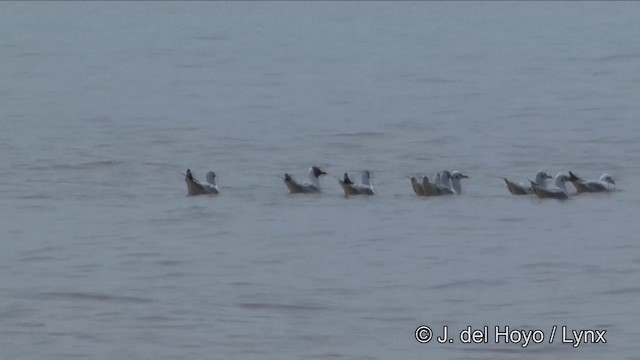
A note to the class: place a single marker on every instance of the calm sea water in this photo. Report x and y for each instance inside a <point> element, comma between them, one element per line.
<point>103,104</point>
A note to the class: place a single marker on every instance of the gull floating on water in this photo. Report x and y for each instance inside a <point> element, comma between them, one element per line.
<point>194,187</point>
<point>364,188</point>
<point>446,183</point>
<point>558,192</point>
<point>522,189</point>
<point>599,185</point>
<point>449,183</point>
<point>307,187</point>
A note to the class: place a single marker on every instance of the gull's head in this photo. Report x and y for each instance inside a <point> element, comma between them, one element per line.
<point>346,179</point>
<point>211,177</point>
<point>607,178</point>
<point>562,178</point>
<point>542,176</point>
<point>316,171</point>
<point>457,175</point>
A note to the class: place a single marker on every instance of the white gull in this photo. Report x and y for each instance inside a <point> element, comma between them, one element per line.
<point>306,187</point>
<point>558,192</point>
<point>195,187</point>
<point>600,185</point>
<point>365,187</point>
<point>522,189</point>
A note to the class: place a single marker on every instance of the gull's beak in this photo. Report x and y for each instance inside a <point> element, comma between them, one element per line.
<point>548,176</point>
<point>322,172</point>
<point>464,176</point>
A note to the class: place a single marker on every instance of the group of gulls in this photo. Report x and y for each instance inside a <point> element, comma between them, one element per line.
<point>445,183</point>
<point>559,190</point>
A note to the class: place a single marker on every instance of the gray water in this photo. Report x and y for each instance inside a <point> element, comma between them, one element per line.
<point>102,105</point>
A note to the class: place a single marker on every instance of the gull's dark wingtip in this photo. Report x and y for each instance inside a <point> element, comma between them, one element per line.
<point>347,180</point>
<point>573,177</point>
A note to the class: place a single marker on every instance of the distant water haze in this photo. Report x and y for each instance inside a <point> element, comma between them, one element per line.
<point>103,105</point>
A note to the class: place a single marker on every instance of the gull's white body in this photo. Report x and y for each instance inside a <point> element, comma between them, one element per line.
<point>601,185</point>
<point>311,187</point>
<point>559,192</point>
<point>522,189</point>
<point>443,183</point>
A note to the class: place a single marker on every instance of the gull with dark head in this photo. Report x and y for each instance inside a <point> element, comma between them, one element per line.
<point>195,187</point>
<point>522,189</point>
<point>313,186</point>
<point>605,183</point>
<point>365,187</point>
<point>559,192</point>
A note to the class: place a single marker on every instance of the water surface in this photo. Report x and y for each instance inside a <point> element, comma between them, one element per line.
<point>103,104</point>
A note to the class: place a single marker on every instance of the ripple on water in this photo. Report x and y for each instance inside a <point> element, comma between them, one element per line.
<point>284,307</point>
<point>93,297</point>
<point>467,284</point>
